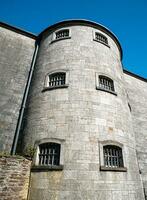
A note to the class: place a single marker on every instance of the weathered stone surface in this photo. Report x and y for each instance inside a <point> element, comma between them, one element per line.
<point>80,116</point>
<point>14,178</point>
<point>16,53</point>
<point>137,96</point>
<point>84,118</point>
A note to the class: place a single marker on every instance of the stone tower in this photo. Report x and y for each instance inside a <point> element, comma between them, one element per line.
<point>78,118</point>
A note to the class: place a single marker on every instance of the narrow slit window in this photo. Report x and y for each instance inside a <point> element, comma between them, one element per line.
<point>49,154</point>
<point>113,156</point>
<point>106,83</point>
<point>62,34</point>
<point>101,38</point>
<point>56,79</point>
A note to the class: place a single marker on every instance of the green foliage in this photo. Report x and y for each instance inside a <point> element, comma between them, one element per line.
<point>4,154</point>
<point>29,152</point>
<point>8,155</point>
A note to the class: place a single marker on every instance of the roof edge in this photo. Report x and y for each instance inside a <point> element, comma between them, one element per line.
<point>84,22</point>
<point>134,75</point>
<point>18,30</point>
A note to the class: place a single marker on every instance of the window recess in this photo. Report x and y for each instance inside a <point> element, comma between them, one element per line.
<point>48,157</point>
<point>61,35</point>
<point>105,84</point>
<point>54,80</point>
<point>112,159</point>
<point>49,154</point>
<point>99,37</point>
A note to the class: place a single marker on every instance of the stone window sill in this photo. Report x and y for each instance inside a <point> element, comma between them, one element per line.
<point>54,87</point>
<point>40,168</point>
<point>64,38</point>
<point>115,169</point>
<point>105,90</point>
<point>102,43</point>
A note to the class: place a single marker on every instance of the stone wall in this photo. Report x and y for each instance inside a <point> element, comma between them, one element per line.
<point>83,118</point>
<point>137,94</point>
<point>16,51</point>
<point>14,178</point>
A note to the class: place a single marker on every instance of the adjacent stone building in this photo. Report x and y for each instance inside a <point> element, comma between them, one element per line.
<point>65,95</point>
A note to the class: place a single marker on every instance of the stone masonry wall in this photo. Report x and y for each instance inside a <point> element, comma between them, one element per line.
<point>14,178</point>
<point>83,119</point>
<point>16,51</point>
<point>137,94</point>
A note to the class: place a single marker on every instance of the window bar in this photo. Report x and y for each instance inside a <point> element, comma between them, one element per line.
<point>42,156</point>
<point>120,159</point>
<point>103,85</point>
<point>115,158</point>
<point>109,88</point>
<point>58,80</point>
<point>112,158</point>
<point>54,81</point>
<point>46,156</point>
<point>109,159</point>
<point>49,153</point>
<point>106,84</point>
<point>107,156</point>
<point>60,83</point>
<point>53,157</point>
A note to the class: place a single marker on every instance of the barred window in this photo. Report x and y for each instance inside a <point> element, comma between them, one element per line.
<point>62,34</point>
<point>113,156</point>
<point>106,83</point>
<point>49,154</point>
<point>101,38</point>
<point>57,79</point>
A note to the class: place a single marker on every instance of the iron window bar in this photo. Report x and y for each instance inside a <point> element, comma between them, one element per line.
<point>113,157</point>
<point>49,154</point>
<point>62,34</point>
<point>101,38</point>
<point>56,79</point>
<point>106,83</point>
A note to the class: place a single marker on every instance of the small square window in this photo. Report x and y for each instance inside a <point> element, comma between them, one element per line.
<point>113,156</point>
<point>49,154</point>
<point>56,80</point>
<point>98,37</point>
<point>106,83</point>
<point>61,35</point>
<point>101,38</point>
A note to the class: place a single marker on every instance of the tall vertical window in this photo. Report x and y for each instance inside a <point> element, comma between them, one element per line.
<point>49,154</point>
<point>56,79</point>
<point>113,156</point>
<point>106,83</point>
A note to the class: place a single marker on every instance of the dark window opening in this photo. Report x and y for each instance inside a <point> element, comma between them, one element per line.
<point>113,156</point>
<point>62,34</point>
<point>49,154</point>
<point>101,38</point>
<point>106,83</point>
<point>56,79</point>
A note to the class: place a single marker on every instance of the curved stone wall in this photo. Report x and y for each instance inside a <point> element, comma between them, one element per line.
<point>84,118</point>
